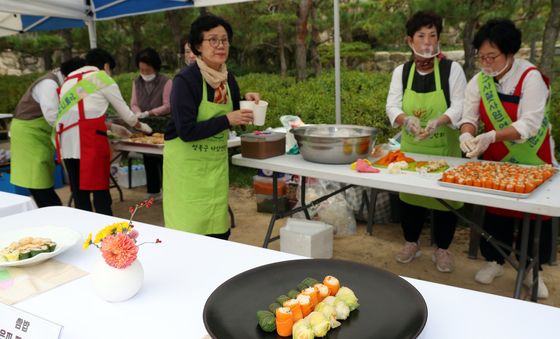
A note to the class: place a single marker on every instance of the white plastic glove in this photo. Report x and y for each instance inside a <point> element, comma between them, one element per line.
<point>412,125</point>
<point>466,142</point>
<point>121,131</point>
<point>481,143</point>
<point>429,130</point>
<point>142,115</point>
<point>145,128</point>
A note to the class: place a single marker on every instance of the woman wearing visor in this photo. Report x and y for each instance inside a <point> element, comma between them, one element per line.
<point>426,99</point>
<point>511,97</point>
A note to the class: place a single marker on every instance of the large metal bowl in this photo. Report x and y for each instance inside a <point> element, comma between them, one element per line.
<point>334,144</point>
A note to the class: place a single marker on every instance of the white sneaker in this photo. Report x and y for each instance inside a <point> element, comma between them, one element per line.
<point>409,251</point>
<point>489,272</point>
<point>542,292</point>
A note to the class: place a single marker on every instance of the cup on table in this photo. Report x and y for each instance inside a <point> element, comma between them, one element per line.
<point>259,113</point>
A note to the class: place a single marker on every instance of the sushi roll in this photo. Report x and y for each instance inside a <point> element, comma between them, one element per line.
<point>284,321</point>
<point>51,245</point>
<point>38,250</point>
<point>332,283</point>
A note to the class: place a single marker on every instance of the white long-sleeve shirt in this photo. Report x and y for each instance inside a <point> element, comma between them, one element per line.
<point>532,103</point>
<point>44,92</point>
<point>457,85</point>
<point>95,106</point>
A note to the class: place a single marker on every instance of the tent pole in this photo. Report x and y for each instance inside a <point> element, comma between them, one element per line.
<point>337,61</point>
<point>91,32</point>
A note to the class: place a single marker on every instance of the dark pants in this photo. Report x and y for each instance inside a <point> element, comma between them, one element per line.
<point>101,199</point>
<point>414,217</point>
<point>45,197</point>
<point>153,164</point>
<point>224,236</point>
<point>502,228</point>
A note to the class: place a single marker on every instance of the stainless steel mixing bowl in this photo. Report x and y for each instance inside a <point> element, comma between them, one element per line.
<point>334,144</point>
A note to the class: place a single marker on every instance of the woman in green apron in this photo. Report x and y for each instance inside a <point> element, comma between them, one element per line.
<point>426,98</point>
<point>32,163</point>
<point>204,105</point>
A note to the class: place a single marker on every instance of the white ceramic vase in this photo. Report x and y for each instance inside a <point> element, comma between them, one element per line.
<point>116,284</point>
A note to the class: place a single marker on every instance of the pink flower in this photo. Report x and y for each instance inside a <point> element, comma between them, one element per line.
<point>133,234</point>
<point>119,250</point>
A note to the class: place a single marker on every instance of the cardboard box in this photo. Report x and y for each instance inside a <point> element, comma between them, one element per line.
<point>138,176</point>
<point>308,238</point>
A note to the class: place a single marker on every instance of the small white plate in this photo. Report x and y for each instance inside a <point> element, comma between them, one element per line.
<point>63,237</point>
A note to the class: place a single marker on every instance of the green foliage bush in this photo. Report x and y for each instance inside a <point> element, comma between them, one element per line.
<point>363,98</point>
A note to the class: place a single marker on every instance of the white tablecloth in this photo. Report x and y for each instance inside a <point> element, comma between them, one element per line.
<point>182,271</point>
<point>14,203</point>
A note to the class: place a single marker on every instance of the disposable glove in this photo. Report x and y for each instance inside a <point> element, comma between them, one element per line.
<point>120,131</point>
<point>412,125</point>
<point>145,128</point>
<point>429,130</point>
<point>481,143</point>
<point>142,115</point>
<point>466,142</point>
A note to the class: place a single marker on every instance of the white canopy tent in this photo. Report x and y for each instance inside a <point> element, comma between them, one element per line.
<point>20,16</point>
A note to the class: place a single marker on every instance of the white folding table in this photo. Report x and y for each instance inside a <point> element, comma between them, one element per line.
<point>14,203</point>
<point>543,201</point>
<point>182,272</point>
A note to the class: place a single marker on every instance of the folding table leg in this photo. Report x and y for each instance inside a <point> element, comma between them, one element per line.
<point>535,262</point>
<point>474,239</point>
<point>371,210</point>
<point>522,255</point>
<point>554,241</point>
<point>302,199</point>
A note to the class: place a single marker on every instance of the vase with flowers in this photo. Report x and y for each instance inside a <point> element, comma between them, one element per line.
<point>118,274</point>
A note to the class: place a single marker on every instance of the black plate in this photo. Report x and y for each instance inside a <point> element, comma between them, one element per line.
<point>390,307</point>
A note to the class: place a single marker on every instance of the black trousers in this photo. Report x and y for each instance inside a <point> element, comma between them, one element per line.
<point>153,164</point>
<point>503,228</point>
<point>224,236</point>
<point>82,198</point>
<point>413,219</point>
<point>45,197</point>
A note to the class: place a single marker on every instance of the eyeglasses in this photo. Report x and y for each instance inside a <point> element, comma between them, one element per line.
<point>489,59</point>
<point>215,42</point>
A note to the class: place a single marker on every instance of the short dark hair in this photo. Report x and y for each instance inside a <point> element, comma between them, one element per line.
<point>71,65</point>
<point>499,32</point>
<point>203,24</point>
<point>424,19</point>
<point>99,57</point>
<point>183,42</point>
<point>150,57</point>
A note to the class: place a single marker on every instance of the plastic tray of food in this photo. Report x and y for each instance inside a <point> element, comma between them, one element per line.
<point>154,140</point>
<point>134,142</point>
<point>511,190</point>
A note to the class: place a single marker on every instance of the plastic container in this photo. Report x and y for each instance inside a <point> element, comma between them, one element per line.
<point>263,145</point>
<point>6,185</point>
<point>265,203</point>
<point>138,176</point>
<point>307,238</point>
<point>263,185</point>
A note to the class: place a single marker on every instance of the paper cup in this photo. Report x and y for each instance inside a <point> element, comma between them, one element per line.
<point>259,114</point>
<point>247,105</point>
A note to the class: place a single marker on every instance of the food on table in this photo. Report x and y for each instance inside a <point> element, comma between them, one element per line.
<point>364,166</point>
<point>26,248</point>
<point>313,312</point>
<point>431,165</point>
<point>499,176</point>
<point>393,156</point>
<point>267,320</point>
<point>154,139</point>
<point>397,167</point>
<point>284,321</point>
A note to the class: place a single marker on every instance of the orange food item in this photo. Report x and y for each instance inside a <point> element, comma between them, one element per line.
<point>305,304</point>
<point>322,291</point>
<point>499,176</point>
<point>284,321</point>
<point>332,283</point>
<point>295,307</point>
<point>394,156</point>
<point>312,293</point>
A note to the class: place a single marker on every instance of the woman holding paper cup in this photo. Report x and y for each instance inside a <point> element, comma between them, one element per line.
<point>204,105</point>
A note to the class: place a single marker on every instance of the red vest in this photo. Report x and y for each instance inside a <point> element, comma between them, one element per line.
<point>497,151</point>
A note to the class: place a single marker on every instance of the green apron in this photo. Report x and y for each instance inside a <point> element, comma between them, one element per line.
<point>196,177</point>
<point>445,140</point>
<point>32,162</point>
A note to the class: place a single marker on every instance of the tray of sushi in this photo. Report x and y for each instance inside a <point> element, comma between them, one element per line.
<point>506,179</point>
